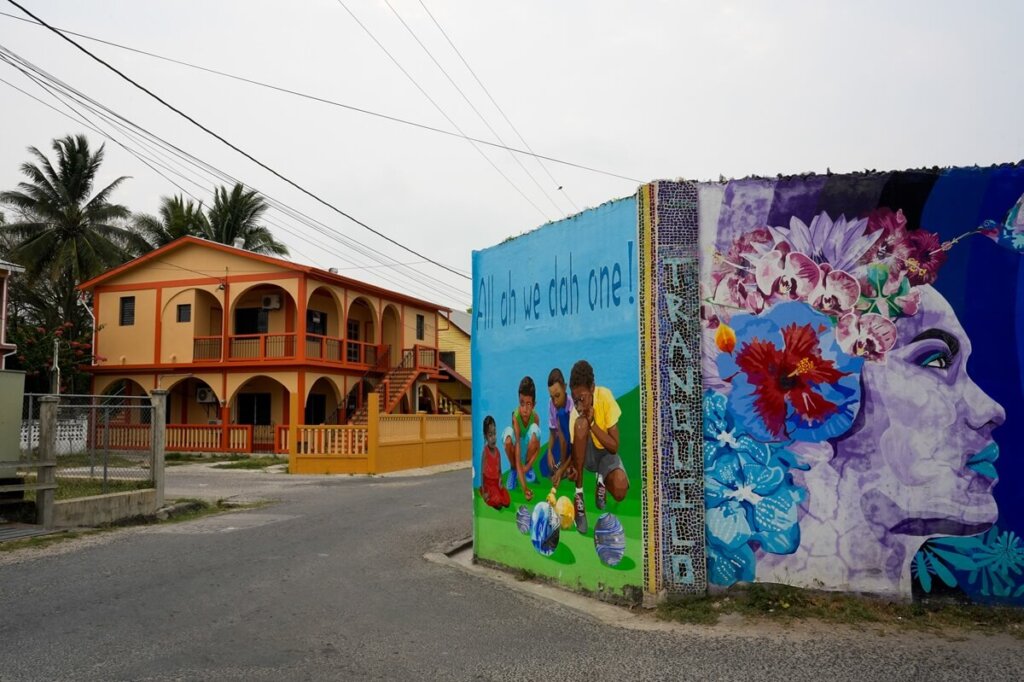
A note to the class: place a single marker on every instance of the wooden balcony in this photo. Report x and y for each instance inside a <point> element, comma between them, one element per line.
<point>259,347</point>
<point>344,351</point>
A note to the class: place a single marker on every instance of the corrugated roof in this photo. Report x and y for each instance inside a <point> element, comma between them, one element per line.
<point>463,321</point>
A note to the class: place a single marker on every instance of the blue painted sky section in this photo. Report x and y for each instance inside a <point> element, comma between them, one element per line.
<point>581,314</point>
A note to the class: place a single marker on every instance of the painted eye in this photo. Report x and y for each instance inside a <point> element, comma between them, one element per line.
<point>937,360</point>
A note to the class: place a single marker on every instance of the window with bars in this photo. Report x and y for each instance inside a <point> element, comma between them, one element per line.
<point>126,316</point>
<point>420,324</point>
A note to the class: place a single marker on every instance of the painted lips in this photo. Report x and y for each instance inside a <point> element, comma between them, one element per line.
<point>984,462</point>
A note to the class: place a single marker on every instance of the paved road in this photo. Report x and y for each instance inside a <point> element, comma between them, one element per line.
<point>330,583</point>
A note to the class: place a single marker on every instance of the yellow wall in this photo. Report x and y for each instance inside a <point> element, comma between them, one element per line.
<point>454,339</point>
<point>192,261</point>
<point>130,344</point>
<point>429,327</point>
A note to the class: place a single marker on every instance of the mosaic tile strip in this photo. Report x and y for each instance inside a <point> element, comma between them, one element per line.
<point>680,465</point>
<point>648,386</point>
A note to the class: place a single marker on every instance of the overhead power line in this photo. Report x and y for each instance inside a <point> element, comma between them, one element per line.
<point>441,111</point>
<point>497,106</point>
<point>238,149</point>
<point>334,103</point>
<point>161,148</point>
<point>469,102</point>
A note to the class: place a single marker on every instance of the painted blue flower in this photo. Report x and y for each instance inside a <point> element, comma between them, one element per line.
<point>993,563</point>
<point>750,496</point>
<point>790,378</point>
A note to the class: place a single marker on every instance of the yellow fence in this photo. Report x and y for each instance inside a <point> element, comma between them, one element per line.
<point>208,438</point>
<point>387,443</point>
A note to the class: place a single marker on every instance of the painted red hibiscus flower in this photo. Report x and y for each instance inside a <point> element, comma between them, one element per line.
<point>921,254</point>
<point>790,375</point>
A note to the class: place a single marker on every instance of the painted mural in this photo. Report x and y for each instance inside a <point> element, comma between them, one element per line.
<point>863,370</point>
<point>556,476</point>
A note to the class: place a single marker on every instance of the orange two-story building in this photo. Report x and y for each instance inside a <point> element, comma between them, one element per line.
<point>240,340</point>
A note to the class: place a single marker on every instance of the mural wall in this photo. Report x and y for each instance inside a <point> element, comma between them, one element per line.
<point>863,369</point>
<point>803,380</point>
<point>556,408</point>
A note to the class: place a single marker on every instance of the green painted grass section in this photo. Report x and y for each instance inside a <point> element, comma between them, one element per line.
<point>575,561</point>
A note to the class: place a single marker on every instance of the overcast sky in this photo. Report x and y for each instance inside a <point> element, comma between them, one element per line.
<point>645,90</point>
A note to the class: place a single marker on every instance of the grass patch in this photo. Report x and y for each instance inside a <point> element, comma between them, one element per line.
<point>783,603</point>
<point>74,487</point>
<point>172,459</point>
<point>97,459</point>
<point>252,463</point>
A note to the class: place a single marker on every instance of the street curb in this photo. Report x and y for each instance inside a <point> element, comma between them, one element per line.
<point>177,509</point>
<point>458,555</point>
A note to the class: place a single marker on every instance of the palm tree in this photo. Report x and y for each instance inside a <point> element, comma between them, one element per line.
<point>177,218</point>
<point>236,214</point>
<point>64,234</point>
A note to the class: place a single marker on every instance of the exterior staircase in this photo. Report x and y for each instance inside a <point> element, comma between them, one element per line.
<point>391,388</point>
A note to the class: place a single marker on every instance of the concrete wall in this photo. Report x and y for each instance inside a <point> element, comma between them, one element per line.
<point>861,374</point>
<point>101,509</point>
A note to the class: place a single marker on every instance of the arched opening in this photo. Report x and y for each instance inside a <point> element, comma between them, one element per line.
<point>360,332</point>
<point>192,327</point>
<point>261,402</point>
<point>263,324</point>
<point>391,334</point>
<point>425,400</point>
<point>323,404</point>
<point>192,401</point>
<point>323,326</point>
<point>355,400</point>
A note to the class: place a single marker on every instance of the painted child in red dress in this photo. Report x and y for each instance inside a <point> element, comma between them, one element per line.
<point>494,493</point>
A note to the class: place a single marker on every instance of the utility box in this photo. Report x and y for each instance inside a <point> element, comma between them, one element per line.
<point>12,393</point>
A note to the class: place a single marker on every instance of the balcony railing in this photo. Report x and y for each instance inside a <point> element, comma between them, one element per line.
<point>342,350</point>
<point>284,346</point>
<point>206,348</point>
<point>262,347</point>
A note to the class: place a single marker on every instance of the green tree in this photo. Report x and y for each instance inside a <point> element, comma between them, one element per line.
<point>62,234</point>
<point>65,234</point>
<point>236,214</point>
<point>177,217</point>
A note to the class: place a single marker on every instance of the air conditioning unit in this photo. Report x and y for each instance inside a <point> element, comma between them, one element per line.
<point>213,422</point>
<point>271,302</point>
<point>205,395</point>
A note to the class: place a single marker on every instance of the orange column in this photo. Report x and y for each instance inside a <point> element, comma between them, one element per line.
<point>95,327</point>
<point>225,323</point>
<point>300,399</point>
<point>300,322</point>
<point>225,408</point>
<point>158,340</point>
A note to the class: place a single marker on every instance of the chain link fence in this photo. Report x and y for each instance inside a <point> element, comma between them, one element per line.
<point>104,444</point>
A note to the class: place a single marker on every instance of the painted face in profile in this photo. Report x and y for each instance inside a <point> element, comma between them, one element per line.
<point>557,393</point>
<point>922,445</point>
<point>583,399</point>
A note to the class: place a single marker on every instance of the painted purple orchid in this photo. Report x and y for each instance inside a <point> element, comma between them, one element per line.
<point>838,293</point>
<point>839,243</point>
<point>869,336</point>
<point>787,276</point>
